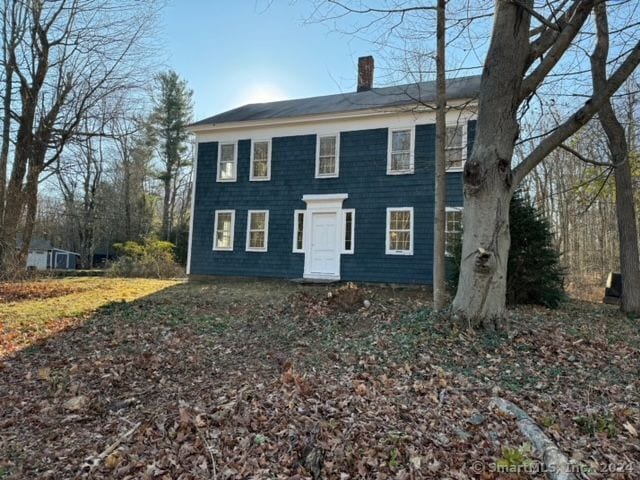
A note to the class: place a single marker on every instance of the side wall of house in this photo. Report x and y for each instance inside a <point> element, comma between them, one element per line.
<point>362,175</point>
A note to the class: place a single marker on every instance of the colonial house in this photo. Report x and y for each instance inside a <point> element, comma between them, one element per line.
<point>338,187</point>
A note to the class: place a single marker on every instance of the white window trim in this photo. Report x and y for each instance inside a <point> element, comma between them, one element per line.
<point>388,251</point>
<point>353,229</point>
<point>337,152</point>
<point>464,148</point>
<point>252,178</point>
<point>296,213</point>
<point>235,162</point>
<point>411,170</point>
<point>266,231</point>
<point>449,209</point>
<point>215,230</point>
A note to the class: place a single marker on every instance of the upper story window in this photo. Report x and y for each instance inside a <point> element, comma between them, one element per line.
<point>260,160</point>
<point>257,230</point>
<point>227,162</point>
<point>399,231</point>
<point>223,230</point>
<point>452,229</point>
<point>456,147</point>
<point>400,151</point>
<point>327,156</point>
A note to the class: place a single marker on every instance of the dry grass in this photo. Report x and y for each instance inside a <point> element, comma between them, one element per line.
<point>36,310</point>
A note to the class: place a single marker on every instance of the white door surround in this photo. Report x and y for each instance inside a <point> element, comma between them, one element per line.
<point>323,235</point>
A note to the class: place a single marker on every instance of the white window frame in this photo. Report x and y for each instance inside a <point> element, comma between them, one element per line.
<point>296,214</point>
<point>450,209</point>
<point>252,177</point>
<point>411,169</point>
<point>215,230</point>
<point>235,162</point>
<point>266,231</point>
<point>388,250</point>
<point>352,211</point>
<point>337,154</point>
<point>463,147</point>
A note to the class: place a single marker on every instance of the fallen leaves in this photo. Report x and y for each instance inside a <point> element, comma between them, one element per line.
<point>269,380</point>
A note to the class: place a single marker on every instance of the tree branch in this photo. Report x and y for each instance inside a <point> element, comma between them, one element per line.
<point>579,118</point>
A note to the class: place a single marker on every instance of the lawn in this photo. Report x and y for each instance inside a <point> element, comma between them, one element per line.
<point>267,379</point>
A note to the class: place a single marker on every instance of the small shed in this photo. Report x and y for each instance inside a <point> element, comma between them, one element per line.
<point>44,256</point>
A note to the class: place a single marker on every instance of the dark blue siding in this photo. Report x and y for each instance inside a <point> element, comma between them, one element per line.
<point>363,163</point>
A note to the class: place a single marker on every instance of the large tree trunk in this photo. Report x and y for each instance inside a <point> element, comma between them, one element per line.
<point>628,233</point>
<point>480,299</point>
<point>625,209</point>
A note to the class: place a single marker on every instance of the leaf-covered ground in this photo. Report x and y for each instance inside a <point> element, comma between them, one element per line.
<point>248,379</point>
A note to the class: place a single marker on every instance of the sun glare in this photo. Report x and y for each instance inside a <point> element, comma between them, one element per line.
<point>262,94</point>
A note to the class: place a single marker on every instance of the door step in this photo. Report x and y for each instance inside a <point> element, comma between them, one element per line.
<point>314,281</point>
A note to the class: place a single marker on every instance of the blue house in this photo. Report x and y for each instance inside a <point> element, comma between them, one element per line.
<point>338,187</point>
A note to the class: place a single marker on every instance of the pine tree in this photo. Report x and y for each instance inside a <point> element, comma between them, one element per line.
<point>168,122</point>
<point>534,272</point>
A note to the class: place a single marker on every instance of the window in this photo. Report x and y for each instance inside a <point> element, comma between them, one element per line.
<point>400,231</point>
<point>223,230</point>
<point>257,230</point>
<point>260,160</point>
<point>327,157</point>
<point>456,147</point>
<point>227,162</point>
<point>400,155</point>
<point>298,231</point>
<point>452,229</point>
<point>349,222</point>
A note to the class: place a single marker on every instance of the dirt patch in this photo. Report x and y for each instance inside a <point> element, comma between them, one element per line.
<point>20,291</point>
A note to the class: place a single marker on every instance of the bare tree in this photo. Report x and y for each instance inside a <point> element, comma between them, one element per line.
<point>537,50</point>
<point>439,266</point>
<point>61,59</point>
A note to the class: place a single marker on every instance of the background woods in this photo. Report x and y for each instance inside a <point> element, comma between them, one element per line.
<point>91,153</point>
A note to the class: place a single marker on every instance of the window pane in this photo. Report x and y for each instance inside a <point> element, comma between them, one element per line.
<point>454,136</point>
<point>300,231</point>
<point>260,168</point>
<point>454,158</point>
<point>261,151</point>
<point>327,146</point>
<point>400,161</point>
<point>226,152</point>
<point>223,234</point>
<point>327,165</point>
<point>401,140</point>
<point>257,221</point>
<point>226,170</point>
<point>256,239</point>
<point>348,224</point>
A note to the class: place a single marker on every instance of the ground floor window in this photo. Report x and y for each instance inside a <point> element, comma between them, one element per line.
<point>257,230</point>
<point>399,231</point>
<point>453,229</point>
<point>298,231</point>
<point>223,229</point>
<point>348,227</point>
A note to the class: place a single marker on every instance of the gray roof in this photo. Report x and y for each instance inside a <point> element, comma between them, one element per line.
<point>376,98</point>
<point>37,243</point>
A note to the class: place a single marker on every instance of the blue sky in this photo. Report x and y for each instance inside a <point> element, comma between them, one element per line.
<point>233,52</point>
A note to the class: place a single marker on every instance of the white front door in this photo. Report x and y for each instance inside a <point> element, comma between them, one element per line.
<point>324,261</point>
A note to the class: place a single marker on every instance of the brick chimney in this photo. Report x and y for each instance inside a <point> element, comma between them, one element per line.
<point>365,73</point>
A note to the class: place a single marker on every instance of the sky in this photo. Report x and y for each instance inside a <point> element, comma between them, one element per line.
<point>233,52</point>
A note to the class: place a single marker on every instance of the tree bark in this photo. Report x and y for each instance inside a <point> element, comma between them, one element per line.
<point>619,150</point>
<point>439,284</point>
<point>480,299</point>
